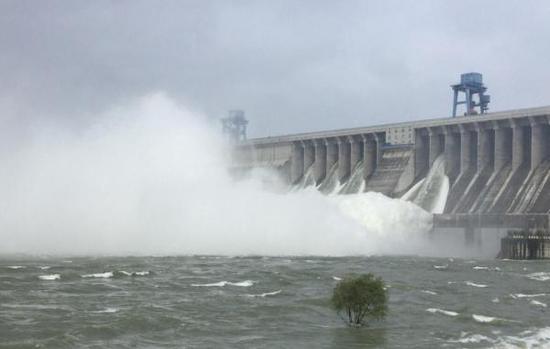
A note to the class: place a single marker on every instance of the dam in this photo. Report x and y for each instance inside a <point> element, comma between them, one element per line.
<point>497,164</point>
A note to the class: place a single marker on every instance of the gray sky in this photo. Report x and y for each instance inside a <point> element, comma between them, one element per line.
<point>293,66</point>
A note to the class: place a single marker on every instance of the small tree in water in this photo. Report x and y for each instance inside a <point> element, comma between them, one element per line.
<point>357,298</point>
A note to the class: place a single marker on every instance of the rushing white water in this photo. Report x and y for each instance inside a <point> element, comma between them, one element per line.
<point>431,192</point>
<point>307,180</point>
<point>356,182</point>
<point>151,178</point>
<point>331,182</point>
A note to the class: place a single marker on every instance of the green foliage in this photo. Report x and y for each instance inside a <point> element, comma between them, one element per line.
<point>357,298</point>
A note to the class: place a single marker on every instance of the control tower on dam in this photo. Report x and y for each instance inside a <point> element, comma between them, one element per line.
<point>497,165</point>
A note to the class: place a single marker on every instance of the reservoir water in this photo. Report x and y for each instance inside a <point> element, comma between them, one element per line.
<point>268,302</point>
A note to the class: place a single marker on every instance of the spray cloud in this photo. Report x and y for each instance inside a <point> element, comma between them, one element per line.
<point>151,178</point>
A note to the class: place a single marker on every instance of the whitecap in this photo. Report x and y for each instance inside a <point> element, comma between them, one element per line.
<point>336,278</point>
<point>106,311</point>
<point>521,295</point>
<point>44,267</point>
<point>537,303</point>
<point>465,338</point>
<point>495,300</point>
<point>245,283</point>
<point>536,338</point>
<point>135,273</point>
<point>484,319</point>
<point>479,267</point>
<point>441,267</point>
<point>265,294</point>
<point>105,275</point>
<point>429,292</point>
<point>541,276</point>
<point>473,284</point>
<point>15,267</point>
<point>214,284</point>
<point>441,311</point>
<point>50,277</point>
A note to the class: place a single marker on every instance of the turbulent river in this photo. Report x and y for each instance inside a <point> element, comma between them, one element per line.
<point>268,302</point>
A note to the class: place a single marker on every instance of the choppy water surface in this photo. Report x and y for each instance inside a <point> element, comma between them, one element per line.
<point>175,302</point>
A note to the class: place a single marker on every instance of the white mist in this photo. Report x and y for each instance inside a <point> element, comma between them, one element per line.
<point>151,178</point>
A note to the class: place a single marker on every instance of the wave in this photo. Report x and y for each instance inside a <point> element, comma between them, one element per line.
<point>521,295</point>
<point>484,319</point>
<point>537,338</point>
<point>245,283</point>
<point>540,276</point>
<point>106,311</point>
<point>474,338</point>
<point>429,292</point>
<point>265,294</point>
<point>15,267</point>
<point>442,311</point>
<point>105,275</point>
<point>50,277</point>
<point>534,338</point>
<point>489,319</point>
<point>473,284</point>
<point>135,273</point>
<point>537,303</point>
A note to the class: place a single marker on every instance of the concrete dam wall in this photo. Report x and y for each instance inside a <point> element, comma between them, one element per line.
<point>496,164</point>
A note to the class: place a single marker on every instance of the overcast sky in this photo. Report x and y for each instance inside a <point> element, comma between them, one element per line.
<point>293,66</point>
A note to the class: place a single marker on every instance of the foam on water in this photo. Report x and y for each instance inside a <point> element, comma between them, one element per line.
<point>442,311</point>
<point>483,319</point>
<point>522,295</point>
<point>538,338</point>
<point>429,292</point>
<point>262,295</point>
<point>530,339</point>
<point>537,303</point>
<point>107,311</point>
<point>106,275</point>
<point>135,273</point>
<point>473,284</point>
<point>50,277</point>
<point>541,276</point>
<point>466,338</point>
<point>245,283</point>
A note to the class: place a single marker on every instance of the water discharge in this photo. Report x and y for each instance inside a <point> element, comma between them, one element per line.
<point>431,192</point>
<point>151,178</point>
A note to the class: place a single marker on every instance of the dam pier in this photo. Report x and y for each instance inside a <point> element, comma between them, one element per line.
<point>497,164</point>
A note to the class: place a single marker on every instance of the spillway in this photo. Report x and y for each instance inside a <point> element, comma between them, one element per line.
<point>493,164</point>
